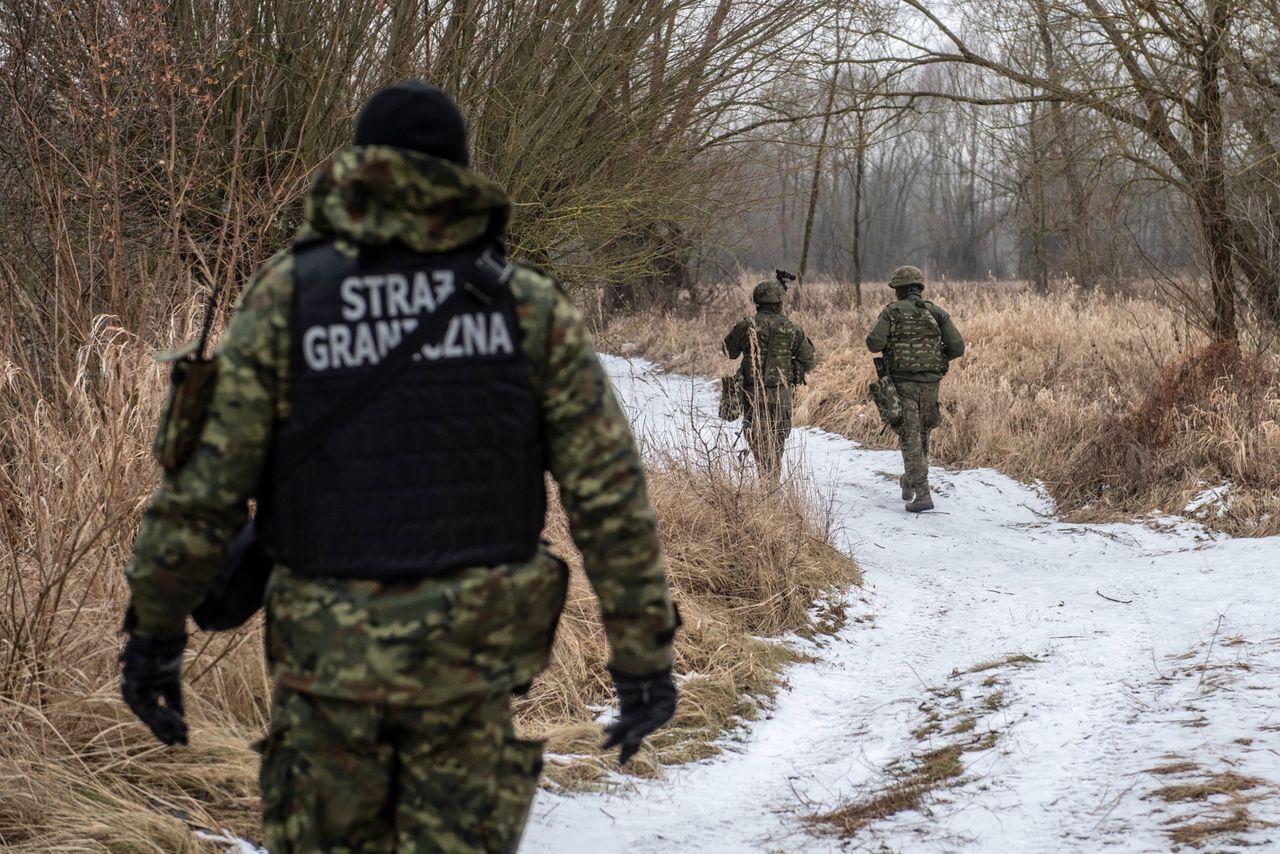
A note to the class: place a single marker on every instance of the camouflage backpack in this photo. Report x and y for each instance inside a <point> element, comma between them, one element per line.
<point>730,397</point>
<point>885,396</point>
<point>915,340</point>
<point>770,353</point>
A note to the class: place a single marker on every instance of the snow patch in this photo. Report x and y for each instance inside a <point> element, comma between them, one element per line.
<point>1211,502</point>
<point>1154,639</point>
<point>230,844</point>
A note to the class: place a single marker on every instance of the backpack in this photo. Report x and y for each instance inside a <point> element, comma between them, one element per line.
<point>730,397</point>
<point>767,361</point>
<point>885,396</point>
<point>915,340</point>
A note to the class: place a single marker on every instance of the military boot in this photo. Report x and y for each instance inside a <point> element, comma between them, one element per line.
<point>907,492</point>
<point>921,501</point>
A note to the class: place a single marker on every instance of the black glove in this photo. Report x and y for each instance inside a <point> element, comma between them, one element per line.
<point>153,671</point>
<point>644,704</point>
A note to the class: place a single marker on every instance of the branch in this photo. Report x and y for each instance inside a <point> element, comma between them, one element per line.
<point>1154,124</point>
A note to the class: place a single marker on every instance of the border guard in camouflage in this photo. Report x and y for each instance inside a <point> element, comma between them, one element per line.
<point>918,341</point>
<point>411,594</point>
<point>776,357</point>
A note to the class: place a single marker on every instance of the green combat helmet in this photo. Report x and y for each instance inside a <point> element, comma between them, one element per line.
<point>906,275</point>
<point>768,292</point>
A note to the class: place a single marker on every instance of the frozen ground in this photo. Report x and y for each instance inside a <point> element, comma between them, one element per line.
<point>1154,643</point>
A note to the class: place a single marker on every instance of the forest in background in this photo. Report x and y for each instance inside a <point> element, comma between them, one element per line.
<point>161,146</point>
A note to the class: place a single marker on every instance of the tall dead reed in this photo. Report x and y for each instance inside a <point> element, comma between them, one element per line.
<point>77,773</point>
<point>748,563</point>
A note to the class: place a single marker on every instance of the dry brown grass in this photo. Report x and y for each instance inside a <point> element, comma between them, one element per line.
<point>1221,803</point>
<point>1226,783</point>
<point>1112,400</point>
<point>928,772</point>
<point>745,562</point>
<point>1180,767</point>
<point>1015,659</point>
<point>957,720</point>
<point>78,774</point>
<point>1197,834</point>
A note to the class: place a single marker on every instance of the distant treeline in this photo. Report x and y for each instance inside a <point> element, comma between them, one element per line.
<point>161,146</point>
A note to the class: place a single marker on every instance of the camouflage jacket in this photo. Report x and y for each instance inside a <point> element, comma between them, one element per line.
<point>879,338</point>
<point>476,630</point>
<point>781,354</point>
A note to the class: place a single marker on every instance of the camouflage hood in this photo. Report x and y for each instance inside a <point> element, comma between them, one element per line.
<point>374,194</point>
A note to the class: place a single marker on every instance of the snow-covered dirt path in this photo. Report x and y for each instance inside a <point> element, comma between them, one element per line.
<point>1153,643</point>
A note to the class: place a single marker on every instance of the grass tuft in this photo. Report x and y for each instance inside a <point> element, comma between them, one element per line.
<point>1198,833</point>
<point>927,773</point>
<point>1226,783</point>
<point>1174,768</point>
<point>1012,660</point>
<point>1220,802</point>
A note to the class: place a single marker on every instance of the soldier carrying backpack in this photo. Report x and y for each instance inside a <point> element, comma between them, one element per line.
<point>776,356</point>
<point>918,341</point>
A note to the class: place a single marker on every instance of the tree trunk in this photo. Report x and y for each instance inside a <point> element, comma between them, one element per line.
<point>817,176</point>
<point>1211,189</point>
<point>1217,232</point>
<point>1081,262</point>
<point>859,175</point>
<point>1039,266</point>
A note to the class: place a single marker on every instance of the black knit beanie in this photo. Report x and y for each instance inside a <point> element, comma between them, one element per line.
<point>416,116</point>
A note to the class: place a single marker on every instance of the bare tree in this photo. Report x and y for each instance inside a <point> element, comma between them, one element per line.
<point>874,120</point>
<point>147,134</point>
<point>1154,71</point>
<point>817,167</point>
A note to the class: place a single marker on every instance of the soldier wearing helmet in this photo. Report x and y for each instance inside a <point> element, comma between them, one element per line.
<point>776,356</point>
<point>918,341</point>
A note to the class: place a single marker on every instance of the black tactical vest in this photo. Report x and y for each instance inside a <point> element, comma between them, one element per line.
<point>443,467</point>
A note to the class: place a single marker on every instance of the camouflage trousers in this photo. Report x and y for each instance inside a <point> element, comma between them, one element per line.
<point>766,420</point>
<point>919,416</point>
<point>344,776</point>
